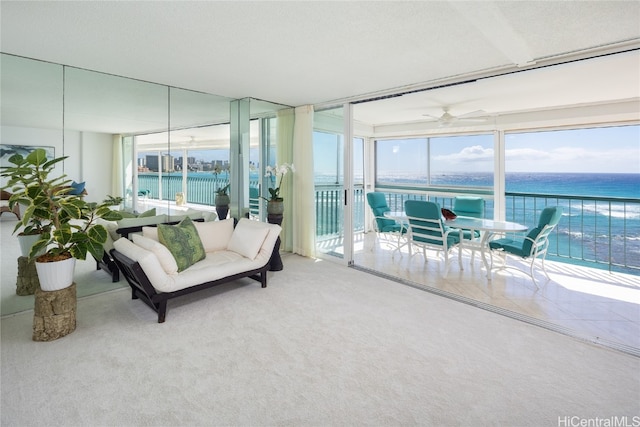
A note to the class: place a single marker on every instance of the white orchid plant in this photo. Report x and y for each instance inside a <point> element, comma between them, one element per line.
<point>277,173</point>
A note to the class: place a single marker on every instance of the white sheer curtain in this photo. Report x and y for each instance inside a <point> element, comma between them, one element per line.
<point>284,154</point>
<point>304,220</point>
<point>295,145</point>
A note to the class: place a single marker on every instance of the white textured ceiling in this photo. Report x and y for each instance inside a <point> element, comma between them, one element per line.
<point>606,79</point>
<point>297,53</point>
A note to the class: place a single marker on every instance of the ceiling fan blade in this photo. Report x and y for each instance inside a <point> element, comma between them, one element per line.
<point>475,120</point>
<point>448,118</point>
<point>473,114</point>
<point>433,118</point>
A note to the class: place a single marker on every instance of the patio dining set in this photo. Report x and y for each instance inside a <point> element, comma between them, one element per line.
<point>425,225</point>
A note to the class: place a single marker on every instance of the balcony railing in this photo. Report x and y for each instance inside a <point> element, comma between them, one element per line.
<point>329,210</point>
<point>602,232</point>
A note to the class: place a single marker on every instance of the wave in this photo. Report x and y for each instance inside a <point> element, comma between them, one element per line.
<point>586,236</point>
<point>617,210</point>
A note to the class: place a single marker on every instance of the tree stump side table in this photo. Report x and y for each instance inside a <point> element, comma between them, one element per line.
<point>27,281</point>
<point>54,313</point>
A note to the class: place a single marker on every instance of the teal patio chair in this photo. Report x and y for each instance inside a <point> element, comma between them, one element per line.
<point>383,225</point>
<point>427,231</point>
<point>532,246</point>
<point>469,206</point>
<point>472,207</point>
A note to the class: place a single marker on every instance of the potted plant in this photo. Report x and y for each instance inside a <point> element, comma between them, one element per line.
<point>67,221</point>
<point>275,203</point>
<point>222,202</point>
<point>30,233</point>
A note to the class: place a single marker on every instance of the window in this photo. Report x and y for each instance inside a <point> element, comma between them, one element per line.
<point>327,157</point>
<point>453,161</point>
<point>570,160</point>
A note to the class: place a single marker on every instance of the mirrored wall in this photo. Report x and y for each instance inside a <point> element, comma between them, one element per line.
<point>115,129</point>
<point>86,115</point>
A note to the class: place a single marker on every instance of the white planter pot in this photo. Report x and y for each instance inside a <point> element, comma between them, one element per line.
<point>54,276</point>
<point>26,241</point>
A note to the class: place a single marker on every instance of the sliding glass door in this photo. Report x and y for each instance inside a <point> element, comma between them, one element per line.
<point>328,155</point>
<point>339,184</point>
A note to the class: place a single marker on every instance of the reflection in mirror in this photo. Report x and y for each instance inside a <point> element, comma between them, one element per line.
<point>197,164</point>
<point>110,127</point>
<point>31,96</point>
<point>97,107</point>
<point>182,168</point>
<point>31,113</point>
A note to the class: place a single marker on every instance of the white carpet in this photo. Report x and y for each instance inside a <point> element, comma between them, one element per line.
<point>322,345</point>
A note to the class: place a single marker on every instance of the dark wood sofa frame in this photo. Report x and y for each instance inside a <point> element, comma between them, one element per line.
<point>108,264</point>
<point>141,287</point>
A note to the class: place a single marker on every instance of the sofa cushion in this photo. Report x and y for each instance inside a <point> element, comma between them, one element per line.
<point>247,238</point>
<point>183,241</point>
<point>146,214</point>
<point>148,260</point>
<point>167,261</point>
<point>215,235</point>
<point>152,233</point>
<point>209,216</point>
<point>138,222</point>
<point>191,213</point>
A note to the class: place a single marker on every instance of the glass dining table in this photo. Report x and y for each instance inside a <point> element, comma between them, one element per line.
<point>487,228</point>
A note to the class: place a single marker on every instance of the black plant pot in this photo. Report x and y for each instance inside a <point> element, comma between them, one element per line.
<point>222,211</point>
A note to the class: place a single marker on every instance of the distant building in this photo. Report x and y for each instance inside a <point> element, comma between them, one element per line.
<point>167,163</point>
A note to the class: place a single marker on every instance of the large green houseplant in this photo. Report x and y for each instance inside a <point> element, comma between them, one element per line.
<point>67,222</point>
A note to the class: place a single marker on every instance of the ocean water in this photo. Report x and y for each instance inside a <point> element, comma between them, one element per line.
<point>626,185</point>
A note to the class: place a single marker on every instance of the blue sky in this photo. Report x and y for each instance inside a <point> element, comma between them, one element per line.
<point>606,150</point>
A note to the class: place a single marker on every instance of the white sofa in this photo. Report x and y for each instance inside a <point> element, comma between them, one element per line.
<point>131,225</point>
<point>230,253</point>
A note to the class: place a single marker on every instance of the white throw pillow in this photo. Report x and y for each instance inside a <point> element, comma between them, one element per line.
<point>167,261</point>
<point>150,233</point>
<point>215,235</point>
<point>247,239</point>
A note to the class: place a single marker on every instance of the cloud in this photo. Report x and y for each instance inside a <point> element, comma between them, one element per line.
<point>467,154</point>
<point>526,154</point>
<point>572,159</point>
<point>562,158</point>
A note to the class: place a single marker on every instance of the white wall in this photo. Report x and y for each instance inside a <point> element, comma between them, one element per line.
<point>90,160</point>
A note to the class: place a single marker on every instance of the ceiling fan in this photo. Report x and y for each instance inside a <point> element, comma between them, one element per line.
<point>447,118</point>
